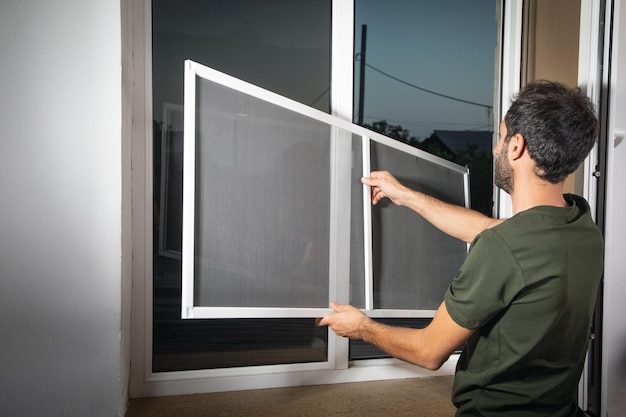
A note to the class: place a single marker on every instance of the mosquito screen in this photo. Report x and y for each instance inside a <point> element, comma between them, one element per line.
<point>413,262</point>
<point>278,223</point>
<point>262,203</point>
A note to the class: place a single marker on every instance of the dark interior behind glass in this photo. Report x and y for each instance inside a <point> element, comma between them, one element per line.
<point>280,45</point>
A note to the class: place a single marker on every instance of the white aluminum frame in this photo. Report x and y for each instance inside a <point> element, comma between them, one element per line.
<point>511,76</point>
<point>340,198</point>
<point>590,81</point>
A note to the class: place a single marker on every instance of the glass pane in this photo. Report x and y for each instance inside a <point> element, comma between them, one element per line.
<point>424,74</point>
<point>363,350</point>
<point>283,46</point>
<point>262,203</point>
<point>414,262</point>
<point>228,343</point>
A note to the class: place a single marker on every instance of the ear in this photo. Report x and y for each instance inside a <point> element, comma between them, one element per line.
<point>517,146</point>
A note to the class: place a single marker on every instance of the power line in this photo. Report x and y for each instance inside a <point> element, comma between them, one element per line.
<point>423,122</point>
<point>426,90</point>
<point>319,97</point>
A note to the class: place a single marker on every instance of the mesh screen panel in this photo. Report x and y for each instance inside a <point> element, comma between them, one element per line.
<point>413,261</point>
<point>262,203</point>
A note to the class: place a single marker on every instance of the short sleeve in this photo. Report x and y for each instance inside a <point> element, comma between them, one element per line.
<point>486,284</point>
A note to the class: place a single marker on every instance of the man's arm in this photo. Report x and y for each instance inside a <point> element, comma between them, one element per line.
<point>429,347</point>
<point>459,222</point>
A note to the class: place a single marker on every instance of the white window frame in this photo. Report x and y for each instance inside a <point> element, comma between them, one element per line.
<point>144,382</point>
<point>510,80</point>
<point>590,79</point>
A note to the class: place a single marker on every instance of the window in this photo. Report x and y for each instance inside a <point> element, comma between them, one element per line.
<point>424,75</point>
<point>284,47</point>
<point>276,45</point>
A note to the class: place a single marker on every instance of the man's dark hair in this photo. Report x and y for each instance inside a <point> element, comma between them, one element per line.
<point>558,124</point>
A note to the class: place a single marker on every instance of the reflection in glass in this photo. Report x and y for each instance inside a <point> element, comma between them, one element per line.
<point>283,46</point>
<point>363,350</point>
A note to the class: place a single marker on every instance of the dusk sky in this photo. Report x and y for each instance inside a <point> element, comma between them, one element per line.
<point>446,46</point>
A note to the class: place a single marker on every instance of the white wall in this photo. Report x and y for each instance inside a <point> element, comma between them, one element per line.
<point>614,326</point>
<point>62,350</point>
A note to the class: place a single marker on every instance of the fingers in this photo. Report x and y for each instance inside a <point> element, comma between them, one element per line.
<point>379,174</point>
<point>374,181</point>
<point>337,308</point>
<point>385,185</point>
<point>377,195</point>
<point>345,320</point>
<point>375,177</point>
<point>324,321</point>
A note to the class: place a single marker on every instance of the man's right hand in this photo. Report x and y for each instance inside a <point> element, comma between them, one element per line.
<point>383,184</point>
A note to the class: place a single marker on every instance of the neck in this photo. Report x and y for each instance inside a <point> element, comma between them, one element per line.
<point>537,193</point>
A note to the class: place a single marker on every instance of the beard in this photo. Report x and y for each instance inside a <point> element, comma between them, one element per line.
<point>504,173</point>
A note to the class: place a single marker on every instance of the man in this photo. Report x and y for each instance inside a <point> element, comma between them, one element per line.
<point>523,300</point>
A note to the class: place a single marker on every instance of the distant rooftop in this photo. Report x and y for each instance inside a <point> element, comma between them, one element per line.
<point>458,140</point>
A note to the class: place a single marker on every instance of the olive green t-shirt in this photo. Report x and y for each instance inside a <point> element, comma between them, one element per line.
<point>529,287</point>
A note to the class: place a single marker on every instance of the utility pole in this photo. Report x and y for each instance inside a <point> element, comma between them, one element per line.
<point>362,74</point>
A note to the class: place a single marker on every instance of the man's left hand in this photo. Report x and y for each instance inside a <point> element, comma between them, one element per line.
<point>346,321</point>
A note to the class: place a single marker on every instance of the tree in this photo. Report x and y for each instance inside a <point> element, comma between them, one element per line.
<point>393,131</point>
